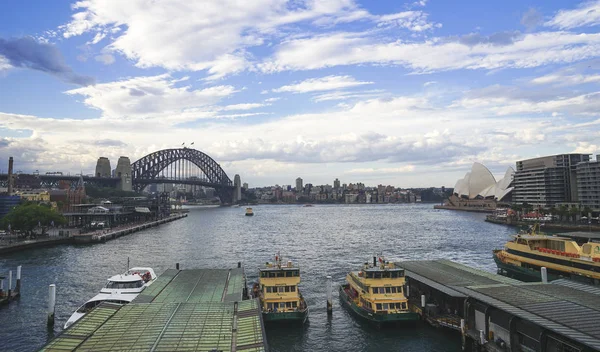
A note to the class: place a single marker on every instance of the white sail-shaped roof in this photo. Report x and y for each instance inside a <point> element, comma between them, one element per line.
<point>480,182</point>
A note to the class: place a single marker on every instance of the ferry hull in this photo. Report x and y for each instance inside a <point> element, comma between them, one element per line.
<point>374,317</point>
<point>286,317</point>
<point>533,273</point>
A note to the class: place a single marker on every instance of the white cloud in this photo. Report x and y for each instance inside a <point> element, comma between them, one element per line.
<point>206,35</point>
<point>566,80</point>
<point>321,84</point>
<point>415,21</point>
<point>106,59</point>
<point>4,63</point>
<point>271,100</point>
<point>152,96</point>
<point>586,14</point>
<point>342,95</point>
<point>529,50</point>
<point>245,106</point>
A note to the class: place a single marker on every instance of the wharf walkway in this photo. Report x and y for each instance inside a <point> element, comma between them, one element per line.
<point>103,236</point>
<point>183,310</point>
<point>503,314</point>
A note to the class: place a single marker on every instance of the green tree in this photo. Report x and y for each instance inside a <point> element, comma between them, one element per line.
<point>26,217</point>
<point>573,212</point>
<point>563,211</point>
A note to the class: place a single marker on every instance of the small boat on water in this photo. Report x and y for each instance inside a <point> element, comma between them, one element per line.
<point>249,212</point>
<point>235,206</point>
<point>376,293</point>
<point>120,289</point>
<point>564,257</point>
<point>279,294</point>
<point>308,205</point>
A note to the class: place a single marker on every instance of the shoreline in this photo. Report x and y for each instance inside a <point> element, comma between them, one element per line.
<point>85,238</point>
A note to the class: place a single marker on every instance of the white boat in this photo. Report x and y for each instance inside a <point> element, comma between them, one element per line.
<point>120,289</point>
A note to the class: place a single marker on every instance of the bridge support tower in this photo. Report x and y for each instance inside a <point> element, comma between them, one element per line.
<point>123,171</point>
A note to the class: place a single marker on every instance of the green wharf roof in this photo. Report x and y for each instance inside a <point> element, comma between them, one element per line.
<point>188,310</point>
<point>565,307</point>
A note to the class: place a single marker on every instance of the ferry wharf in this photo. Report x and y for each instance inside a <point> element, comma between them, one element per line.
<point>496,313</point>
<point>183,310</point>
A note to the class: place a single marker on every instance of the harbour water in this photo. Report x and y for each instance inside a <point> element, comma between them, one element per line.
<point>324,240</point>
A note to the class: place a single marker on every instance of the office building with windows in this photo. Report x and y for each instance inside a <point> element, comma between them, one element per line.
<point>588,183</point>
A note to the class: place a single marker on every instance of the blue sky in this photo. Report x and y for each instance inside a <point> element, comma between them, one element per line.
<point>403,93</point>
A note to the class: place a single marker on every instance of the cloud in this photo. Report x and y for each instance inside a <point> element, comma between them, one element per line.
<point>245,106</point>
<point>499,38</point>
<point>529,50</point>
<point>342,95</point>
<point>271,100</point>
<point>587,14</point>
<point>106,59</point>
<point>26,52</point>
<point>208,35</point>
<point>531,19</point>
<point>415,21</point>
<point>566,80</point>
<point>321,84</point>
<point>149,97</point>
<point>380,171</point>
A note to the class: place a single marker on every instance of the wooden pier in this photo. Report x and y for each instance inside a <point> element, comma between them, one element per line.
<point>183,310</point>
<point>112,234</point>
<point>10,293</point>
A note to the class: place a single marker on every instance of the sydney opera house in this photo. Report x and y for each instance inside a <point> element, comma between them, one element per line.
<point>479,190</point>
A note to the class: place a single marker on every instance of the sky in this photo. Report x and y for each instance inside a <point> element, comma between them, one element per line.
<point>381,92</point>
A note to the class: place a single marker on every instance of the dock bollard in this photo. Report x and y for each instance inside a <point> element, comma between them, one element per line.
<point>544,275</point>
<point>51,304</point>
<point>329,302</point>
<point>177,266</point>
<point>18,286</point>
<point>423,301</point>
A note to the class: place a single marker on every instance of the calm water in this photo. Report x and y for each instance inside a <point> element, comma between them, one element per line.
<point>325,240</point>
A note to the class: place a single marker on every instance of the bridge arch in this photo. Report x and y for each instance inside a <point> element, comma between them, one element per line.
<point>150,166</point>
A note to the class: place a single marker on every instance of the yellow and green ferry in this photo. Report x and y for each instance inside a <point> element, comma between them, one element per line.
<point>563,257</point>
<point>279,294</point>
<point>376,293</point>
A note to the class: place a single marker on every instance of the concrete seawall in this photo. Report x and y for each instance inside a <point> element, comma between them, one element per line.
<point>548,225</point>
<point>473,210</point>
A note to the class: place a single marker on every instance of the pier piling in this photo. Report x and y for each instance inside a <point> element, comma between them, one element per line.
<point>9,284</point>
<point>423,301</point>
<point>177,266</point>
<point>329,301</point>
<point>544,275</point>
<point>407,291</point>
<point>18,286</point>
<point>463,334</point>
<point>51,304</point>
<point>1,287</point>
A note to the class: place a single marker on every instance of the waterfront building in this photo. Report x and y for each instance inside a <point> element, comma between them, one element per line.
<point>336,184</point>
<point>299,187</point>
<point>588,183</point>
<point>7,203</point>
<point>548,180</point>
<point>38,195</point>
<point>245,186</point>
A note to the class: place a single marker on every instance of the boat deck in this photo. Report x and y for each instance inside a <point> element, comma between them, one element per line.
<point>188,310</point>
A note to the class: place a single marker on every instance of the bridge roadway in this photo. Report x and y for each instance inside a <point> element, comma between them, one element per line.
<point>48,181</point>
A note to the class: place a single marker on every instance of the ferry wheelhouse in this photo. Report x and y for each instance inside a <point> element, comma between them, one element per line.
<point>279,294</point>
<point>249,212</point>
<point>376,293</point>
<point>563,257</point>
<point>120,289</point>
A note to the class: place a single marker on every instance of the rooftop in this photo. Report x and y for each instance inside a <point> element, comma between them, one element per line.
<point>565,307</point>
<point>188,310</point>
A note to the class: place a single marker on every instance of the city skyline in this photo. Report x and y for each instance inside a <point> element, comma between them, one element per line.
<point>407,94</point>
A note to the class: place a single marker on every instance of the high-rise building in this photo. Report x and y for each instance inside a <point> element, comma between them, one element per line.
<point>588,183</point>
<point>547,180</point>
<point>336,184</point>
<point>299,187</point>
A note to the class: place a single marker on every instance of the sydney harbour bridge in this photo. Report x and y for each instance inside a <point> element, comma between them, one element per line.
<point>183,166</point>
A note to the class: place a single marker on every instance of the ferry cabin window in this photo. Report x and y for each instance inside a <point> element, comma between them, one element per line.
<point>293,288</point>
<point>388,290</point>
<point>287,289</point>
<point>294,304</point>
<point>378,306</point>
